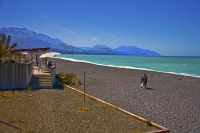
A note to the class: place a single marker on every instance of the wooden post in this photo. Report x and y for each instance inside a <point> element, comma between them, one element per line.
<point>84,86</point>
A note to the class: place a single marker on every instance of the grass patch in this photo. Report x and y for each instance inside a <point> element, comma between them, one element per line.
<point>6,95</point>
<point>15,120</point>
<point>9,95</point>
<point>148,123</point>
<point>81,109</point>
<point>104,107</point>
<point>91,98</point>
<point>58,85</point>
<point>29,89</point>
<point>67,79</point>
<point>81,94</point>
<point>17,96</point>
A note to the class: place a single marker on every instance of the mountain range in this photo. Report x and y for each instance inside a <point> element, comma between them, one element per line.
<point>29,39</point>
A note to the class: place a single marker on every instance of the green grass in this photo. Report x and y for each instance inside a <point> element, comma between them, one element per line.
<point>91,98</point>
<point>148,123</point>
<point>29,88</point>
<point>58,85</point>
<point>67,79</point>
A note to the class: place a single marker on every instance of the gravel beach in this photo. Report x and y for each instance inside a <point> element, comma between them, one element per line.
<point>169,100</point>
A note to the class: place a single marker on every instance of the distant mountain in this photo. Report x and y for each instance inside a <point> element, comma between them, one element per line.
<point>29,39</point>
<point>65,48</point>
<point>133,50</point>
<point>27,42</point>
<point>103,49</point>
<point>23,32</point>
<point>99,49</point>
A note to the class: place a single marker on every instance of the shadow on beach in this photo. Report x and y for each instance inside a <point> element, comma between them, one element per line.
<point>34,89</point>
<point>148,88</point>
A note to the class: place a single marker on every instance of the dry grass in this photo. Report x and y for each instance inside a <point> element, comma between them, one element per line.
<point>15,120</point>
<point>6,95</point>
<point>67,79</point>
<point>81,109</point>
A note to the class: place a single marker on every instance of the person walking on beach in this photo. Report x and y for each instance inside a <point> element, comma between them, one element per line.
<point>144,81</point>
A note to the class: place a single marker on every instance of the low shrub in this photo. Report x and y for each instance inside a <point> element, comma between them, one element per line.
<point>59,85</point>
<point>69,79</point>
<point>29,88</point>
<point>9,61</point>
<point>148,123</point>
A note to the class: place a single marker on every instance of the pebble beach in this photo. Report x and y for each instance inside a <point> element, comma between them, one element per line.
<point>169,100</point>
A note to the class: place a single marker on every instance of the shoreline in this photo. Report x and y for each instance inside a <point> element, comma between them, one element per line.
<point>127,67</point>
<point>169,100</point>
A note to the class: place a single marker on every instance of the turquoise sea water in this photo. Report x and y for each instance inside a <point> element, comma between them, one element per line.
<point>189,66</point>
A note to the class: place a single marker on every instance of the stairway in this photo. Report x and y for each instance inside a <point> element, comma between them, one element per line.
<point>40,81</point>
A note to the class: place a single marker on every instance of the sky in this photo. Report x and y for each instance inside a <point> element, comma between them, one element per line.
<point>169,27</point>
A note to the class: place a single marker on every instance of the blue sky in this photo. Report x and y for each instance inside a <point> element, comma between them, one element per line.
<point>169,27</point>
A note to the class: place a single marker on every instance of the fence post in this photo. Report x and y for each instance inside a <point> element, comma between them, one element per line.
<point>84,85</point>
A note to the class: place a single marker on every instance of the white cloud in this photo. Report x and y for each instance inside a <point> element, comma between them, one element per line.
<point>113,36</point>
<point>94,38</point>
<point>61,28</point>
<point>45,16</point>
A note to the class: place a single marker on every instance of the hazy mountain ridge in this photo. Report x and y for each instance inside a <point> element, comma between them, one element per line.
<point>29,39</point>
<point>27,42</point>
<point>65,48</point>
<point>133,50</point>
<point>23,32</point>
<point>98,49</point>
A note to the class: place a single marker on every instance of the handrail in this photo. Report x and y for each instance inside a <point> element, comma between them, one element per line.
<point>53,68</point>
<point>29,73</point>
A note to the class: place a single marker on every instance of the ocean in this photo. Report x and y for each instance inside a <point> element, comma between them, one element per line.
<point>187,66</point>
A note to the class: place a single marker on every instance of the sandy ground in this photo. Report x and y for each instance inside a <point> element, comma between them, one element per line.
<point>56,111</point>
<point>169,100</point>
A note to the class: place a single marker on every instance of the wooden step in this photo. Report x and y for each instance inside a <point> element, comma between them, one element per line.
<point>40,86</point>
<point>42,81</point>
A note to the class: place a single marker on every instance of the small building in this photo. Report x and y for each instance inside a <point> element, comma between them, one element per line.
<point>27,65</point>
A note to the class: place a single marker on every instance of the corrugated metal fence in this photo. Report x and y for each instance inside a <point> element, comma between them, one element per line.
<point>15,75</point>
